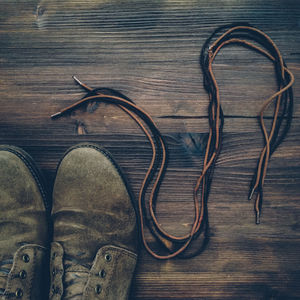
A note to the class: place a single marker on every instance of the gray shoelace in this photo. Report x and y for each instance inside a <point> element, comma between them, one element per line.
<point>5,267</point>
<point>75,281</point>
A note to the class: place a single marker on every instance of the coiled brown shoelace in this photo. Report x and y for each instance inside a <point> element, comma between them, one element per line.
<point>283,97</point>
<point>177,245</point>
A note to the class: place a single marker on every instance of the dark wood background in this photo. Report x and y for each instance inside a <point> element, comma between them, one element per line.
<point>149,50</point>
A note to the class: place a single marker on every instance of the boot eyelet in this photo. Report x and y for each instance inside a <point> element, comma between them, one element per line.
<point>102,273</point>
<point>23,274</point>
<point>98,289</point>
<point>53,272</point>
<point>55,289</point>
<point>26,258</point>
<point>54,255</point>
<point>19,293</point>
<point>107,257</point>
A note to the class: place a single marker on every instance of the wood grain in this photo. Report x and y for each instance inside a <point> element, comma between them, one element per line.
<point>149,50</point>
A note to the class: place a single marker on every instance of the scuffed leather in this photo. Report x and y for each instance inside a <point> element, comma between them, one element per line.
<point>23,225</point>
<point>92,209</point>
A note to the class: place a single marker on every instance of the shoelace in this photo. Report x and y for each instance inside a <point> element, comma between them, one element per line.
<point>74,282</point>
<point>283,98</point>
<point>177,245</point>
<point>5,267</point>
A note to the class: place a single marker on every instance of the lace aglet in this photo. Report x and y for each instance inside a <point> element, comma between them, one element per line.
<point>77,80</point>
<point>56,115</point>
<point>257,221</point>
<point>251,194</point>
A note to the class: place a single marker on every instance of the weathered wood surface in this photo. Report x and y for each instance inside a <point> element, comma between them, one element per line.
<point>149,50</point>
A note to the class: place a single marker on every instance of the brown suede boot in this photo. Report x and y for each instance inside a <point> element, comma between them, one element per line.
<point>93,254</point>
<point>23,227</point>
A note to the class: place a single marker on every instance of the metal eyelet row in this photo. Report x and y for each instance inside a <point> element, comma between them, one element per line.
<point>55,289</point>
<point>102,273</point>
<point>23,275</point>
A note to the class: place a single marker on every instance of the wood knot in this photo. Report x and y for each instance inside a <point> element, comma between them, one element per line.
<point>40,11</point>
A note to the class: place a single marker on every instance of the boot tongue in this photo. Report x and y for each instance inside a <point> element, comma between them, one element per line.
<point>5,267</point>
<point>75,279</point>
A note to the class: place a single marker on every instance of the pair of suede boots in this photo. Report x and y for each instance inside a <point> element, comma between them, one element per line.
<point>83,246</point>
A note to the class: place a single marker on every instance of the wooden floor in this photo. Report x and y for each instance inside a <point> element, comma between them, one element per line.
<point>149,50</point>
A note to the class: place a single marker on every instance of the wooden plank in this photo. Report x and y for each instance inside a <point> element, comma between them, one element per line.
<point>149,50</point>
